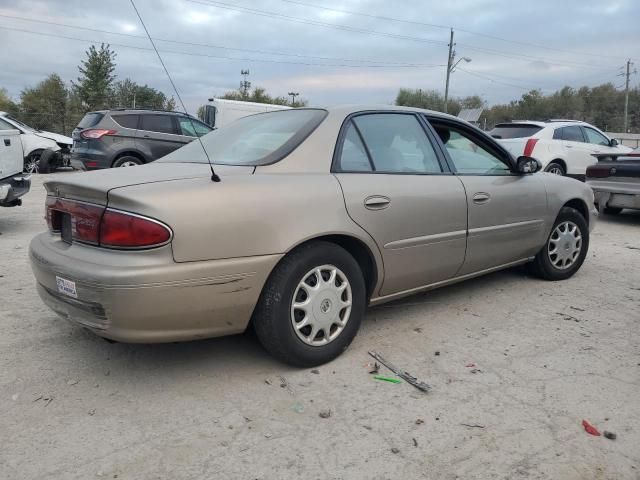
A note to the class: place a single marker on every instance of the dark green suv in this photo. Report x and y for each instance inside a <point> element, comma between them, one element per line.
<point>128,137</point>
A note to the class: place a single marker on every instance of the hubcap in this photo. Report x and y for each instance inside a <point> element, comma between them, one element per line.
<point>565,245</point>
<point>129,164</point>
<point>321,305</point>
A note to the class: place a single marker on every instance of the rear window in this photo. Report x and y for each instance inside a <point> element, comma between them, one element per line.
<point>126,121</point>
<point>258,139</point>
<point>90,120</point>
<point>514,130</point>
<point>158,123</point>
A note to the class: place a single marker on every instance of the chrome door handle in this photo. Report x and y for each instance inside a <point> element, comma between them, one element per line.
<point>481,197</point>
<point>376,202</point>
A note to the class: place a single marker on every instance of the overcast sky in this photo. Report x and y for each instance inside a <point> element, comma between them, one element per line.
<point>543,44</point>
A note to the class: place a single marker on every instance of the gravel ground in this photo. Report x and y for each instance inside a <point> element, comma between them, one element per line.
<point>547,355</point>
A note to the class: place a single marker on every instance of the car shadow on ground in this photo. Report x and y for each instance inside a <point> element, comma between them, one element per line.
<point>626,217</point>
<point>244,354</point>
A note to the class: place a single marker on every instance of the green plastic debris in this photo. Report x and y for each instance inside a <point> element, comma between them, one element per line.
<point>387,379</point>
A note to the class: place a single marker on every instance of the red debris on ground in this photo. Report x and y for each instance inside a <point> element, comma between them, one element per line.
<point>590,429</point>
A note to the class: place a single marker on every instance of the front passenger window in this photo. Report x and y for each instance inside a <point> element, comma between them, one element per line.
<point>468,156</point>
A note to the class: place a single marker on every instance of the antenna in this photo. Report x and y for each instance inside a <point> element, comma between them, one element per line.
<point>214,177</point>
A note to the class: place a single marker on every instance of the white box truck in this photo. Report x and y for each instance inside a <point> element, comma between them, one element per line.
<point>13,183</point>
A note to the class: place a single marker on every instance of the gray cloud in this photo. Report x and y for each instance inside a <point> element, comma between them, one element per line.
<point>504,70</point>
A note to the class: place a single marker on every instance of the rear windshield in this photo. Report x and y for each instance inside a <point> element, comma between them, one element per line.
<point>90,120</point>
<point>514,130</point>
<point>258,139</point>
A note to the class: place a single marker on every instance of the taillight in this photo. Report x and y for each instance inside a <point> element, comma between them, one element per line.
<point>97,132</point>
<point>97,225</point>
<point>82,220</point>
<point>600,171</point>
<point>529,146</point>
<point>124,230</point>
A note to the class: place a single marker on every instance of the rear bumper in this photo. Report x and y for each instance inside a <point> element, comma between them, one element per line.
<point>12,188</point>
<point>89,160</point>
<point>617,194</point>
<point>145,297</point>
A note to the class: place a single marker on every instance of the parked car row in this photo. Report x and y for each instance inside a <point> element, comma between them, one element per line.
<point>312,215</point>
<point>565,147</point>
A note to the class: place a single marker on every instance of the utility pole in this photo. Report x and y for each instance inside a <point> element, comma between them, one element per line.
<point>293,96</point>
<point>626,95</point>
<point>452,54</point>
<point>245,85</point>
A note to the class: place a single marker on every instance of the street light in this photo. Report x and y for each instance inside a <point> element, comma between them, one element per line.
<point>450,68</point>
<point>293,96</point>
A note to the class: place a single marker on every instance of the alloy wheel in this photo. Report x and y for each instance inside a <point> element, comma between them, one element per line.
<point>321,305</point>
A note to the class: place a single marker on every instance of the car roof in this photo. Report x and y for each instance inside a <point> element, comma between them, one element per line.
<point>546,123</point>
<point>356,108</point>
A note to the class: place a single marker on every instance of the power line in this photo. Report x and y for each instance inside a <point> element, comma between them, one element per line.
<point>447,27</point>
<point>306,21</point>
<point>240,59</point>
<point>208,45</point>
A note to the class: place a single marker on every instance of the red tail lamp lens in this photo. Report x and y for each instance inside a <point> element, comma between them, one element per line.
<point>122,230</point>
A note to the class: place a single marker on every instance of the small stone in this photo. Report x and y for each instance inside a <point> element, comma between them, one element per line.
<point>437,354</point>
<point>267,435</point>
<point>325,413</point>
<point>92,412</point>
<point>610,435</point>
<point>419,421</point>
<point>15,396</point>
<point>316,371</point>
<point>395,450</point>
<point>72,382</point>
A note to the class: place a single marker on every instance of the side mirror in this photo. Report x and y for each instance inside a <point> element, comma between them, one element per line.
<point>527,165</point>
<point>614,142</point>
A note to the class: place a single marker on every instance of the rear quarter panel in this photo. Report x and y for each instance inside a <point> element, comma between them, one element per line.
<point>243,215</point>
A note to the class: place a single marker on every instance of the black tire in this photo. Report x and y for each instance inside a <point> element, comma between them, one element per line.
<point>554,167</point>
<point>612,210</point>
<point>543,267</point>
<point>126,161</point>
<point>48,161</point>
<point>272,318</point>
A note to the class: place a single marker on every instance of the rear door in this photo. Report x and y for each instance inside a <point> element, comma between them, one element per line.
<point>157,135</point>
<point>506,209</point>
<point>578,152</point>
<point>397,187</point>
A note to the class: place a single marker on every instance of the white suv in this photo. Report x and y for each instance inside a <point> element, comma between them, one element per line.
<point>565,147</point>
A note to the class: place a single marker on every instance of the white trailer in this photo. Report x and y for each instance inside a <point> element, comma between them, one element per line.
<point>219,112</point>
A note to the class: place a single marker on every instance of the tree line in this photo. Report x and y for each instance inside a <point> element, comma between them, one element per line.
<point>55,106</point>
<point>602,106</point>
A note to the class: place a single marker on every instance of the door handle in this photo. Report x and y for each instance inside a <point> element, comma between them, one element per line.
<point>569,146</point>
<point>481,197</point>
<point>376,202</point>
<point>7,142</point>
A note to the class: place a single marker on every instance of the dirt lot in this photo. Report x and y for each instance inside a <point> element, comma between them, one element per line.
<point>547,355</point>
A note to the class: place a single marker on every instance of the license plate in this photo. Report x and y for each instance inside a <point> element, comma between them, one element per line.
<point>66,287</point>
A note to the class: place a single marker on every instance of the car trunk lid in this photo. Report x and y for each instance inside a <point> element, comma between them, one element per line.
<point>94,187</point>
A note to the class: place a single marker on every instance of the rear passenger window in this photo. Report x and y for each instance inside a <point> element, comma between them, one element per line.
<point>571,134</point>
<point>353,157</point>
<point>397,143</point>
<point>126,121</point>
<point>158,123</point>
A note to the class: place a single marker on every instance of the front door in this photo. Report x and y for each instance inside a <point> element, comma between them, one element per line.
<point>398,188</point>
<point>506,209</point>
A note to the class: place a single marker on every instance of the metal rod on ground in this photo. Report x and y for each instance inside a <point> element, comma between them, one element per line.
<point>406,376</point>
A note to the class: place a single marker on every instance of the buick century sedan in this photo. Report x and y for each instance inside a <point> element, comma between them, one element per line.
<point>311,216</point>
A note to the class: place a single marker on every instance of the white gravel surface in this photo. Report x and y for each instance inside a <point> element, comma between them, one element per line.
<point>547,355</point>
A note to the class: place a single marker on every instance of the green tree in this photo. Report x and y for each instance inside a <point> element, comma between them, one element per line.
<point>260,95</point>
<point>45,106</point>
<point>6,104</point>
<point>127,93</point>
<point>94,85</point>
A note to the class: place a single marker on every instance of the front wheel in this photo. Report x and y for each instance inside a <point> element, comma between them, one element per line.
<point>565,248</point>
<point>311,306</point>
<point>127,161</point>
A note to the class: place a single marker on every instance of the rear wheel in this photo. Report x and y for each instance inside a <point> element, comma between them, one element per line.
<point>556,168</point>
<point>127,161</point>
<point>312,305</point>
<point>565,249</point>
<point>612,210</point>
